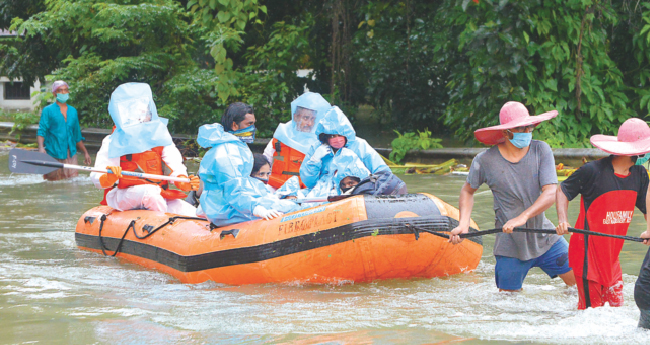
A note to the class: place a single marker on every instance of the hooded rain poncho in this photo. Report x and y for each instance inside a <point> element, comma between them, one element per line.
<point>345,163</point>
<point>138,127</point>
<point>335,122</point>
<point>288,133</point>
<point>230,194</point>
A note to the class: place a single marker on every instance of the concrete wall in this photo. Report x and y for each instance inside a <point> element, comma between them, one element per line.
<point>94,138</point>
<point>16,105</point>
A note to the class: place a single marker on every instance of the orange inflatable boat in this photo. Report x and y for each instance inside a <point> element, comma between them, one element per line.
<point>359,239</point>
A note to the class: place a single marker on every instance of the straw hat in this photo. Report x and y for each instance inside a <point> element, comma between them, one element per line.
<point>633,139</point>
<point>512,115</point>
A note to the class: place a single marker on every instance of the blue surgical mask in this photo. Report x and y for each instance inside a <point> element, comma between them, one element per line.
<point>521,140</point>
<point>643,159</point>
<point>62,97</point>
<point>246,135</point>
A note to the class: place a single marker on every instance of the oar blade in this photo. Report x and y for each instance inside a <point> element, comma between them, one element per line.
<point>18,166</point>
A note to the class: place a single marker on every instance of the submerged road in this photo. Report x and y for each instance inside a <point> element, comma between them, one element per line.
<point>53,293</point>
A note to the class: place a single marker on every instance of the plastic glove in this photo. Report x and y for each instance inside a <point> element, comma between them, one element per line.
<point>321,152</point>
<point>108,180</point>
<point>262,212</point>
<point>188,186</point>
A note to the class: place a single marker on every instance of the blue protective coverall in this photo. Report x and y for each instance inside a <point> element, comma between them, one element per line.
<point>230,194</point>
<point>335,122</point>
<point>288,133</point>
<point>345,163</point>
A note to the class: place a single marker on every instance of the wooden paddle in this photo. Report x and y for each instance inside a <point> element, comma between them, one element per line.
<point>34,162</point>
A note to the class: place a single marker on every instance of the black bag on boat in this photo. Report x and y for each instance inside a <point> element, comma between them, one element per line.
<point>382,183</point>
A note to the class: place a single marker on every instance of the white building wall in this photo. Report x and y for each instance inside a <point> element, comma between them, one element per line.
<point>17,105</point>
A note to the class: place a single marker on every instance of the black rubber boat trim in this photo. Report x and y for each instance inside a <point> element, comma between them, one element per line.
<point>247,255</point>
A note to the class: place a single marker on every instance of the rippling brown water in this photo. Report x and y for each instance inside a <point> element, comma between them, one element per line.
<point>53,293</point>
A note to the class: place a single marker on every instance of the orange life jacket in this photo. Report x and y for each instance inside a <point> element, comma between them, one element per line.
<point>149,162</point>
<point>286,163</point>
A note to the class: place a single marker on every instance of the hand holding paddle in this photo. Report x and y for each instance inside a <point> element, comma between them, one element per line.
<point>32,162</point>
<point>193,185</point>
<point>107,180</point>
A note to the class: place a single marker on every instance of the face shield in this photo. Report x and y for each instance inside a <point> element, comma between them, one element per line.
<point>305,119</point>
<point>134,111</point>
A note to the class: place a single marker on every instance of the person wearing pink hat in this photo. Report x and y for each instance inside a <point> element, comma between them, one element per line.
<point>521,175</point>
<point>610,188</point>
<point>59,134</point>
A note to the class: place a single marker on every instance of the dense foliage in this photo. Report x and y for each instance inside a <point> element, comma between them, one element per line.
<point>445,65</point>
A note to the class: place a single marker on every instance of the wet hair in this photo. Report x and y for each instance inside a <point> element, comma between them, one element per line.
<point>258,162</point>
<point>236,112</point>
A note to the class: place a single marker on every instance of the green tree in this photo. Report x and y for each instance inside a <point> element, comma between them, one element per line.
<point>546,54</point>
<point>105,44</point>
<point>404,78</point>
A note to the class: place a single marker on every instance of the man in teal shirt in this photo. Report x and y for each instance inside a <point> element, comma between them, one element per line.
<point>59,134</point>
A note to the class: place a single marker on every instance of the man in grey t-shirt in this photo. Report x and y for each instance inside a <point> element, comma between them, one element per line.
<point>521,174</point>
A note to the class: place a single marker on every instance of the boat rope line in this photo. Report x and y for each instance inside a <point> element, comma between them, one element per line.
<point>132,226</point>
<point>119,245</point>
<point>445,233</point>
<point>253,254</point>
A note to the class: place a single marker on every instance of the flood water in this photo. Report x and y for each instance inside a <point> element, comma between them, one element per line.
<point>53,293</point>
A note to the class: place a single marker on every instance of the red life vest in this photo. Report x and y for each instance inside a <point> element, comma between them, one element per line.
<point>148,162</point>
<point>286,163</point>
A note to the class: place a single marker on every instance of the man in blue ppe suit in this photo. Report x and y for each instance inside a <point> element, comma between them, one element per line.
<point>334,132</point>
<point>230,195</point>
<point>292,140</point>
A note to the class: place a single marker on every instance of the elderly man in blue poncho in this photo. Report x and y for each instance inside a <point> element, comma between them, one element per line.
<point>335,132</point>
<point>140,143</point>
<point>292,140</point>
<point>230,195</point>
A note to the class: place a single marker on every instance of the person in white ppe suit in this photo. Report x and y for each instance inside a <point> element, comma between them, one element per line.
<point>230,195</point>
<point>140,143</point>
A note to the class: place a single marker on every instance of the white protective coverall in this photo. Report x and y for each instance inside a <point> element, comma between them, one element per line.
<point>139,129</point>
<point>144,196</point>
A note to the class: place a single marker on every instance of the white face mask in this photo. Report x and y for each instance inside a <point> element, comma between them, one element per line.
<point>134,112</point>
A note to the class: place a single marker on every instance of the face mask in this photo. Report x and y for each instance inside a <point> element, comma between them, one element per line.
<point>345,190</point>
<point>640,160</point>
<point>265,181</point>
<point>62,97</point>
<point>246,135</point>
<point>521,140</point>
<point>337,142</point>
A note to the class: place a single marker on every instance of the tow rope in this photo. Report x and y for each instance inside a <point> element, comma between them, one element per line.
<point>445,234</point>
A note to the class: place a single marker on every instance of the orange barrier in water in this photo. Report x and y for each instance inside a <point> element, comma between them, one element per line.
<point>359,239</point>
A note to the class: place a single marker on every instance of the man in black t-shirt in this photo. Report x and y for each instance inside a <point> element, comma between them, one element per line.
<point>610,189</point>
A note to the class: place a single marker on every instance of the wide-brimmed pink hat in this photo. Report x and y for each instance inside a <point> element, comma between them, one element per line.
<point>512,115</point>
<point>633,139</point>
